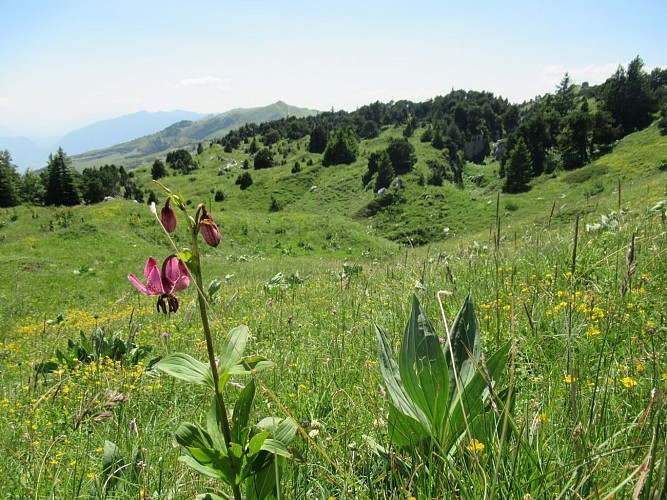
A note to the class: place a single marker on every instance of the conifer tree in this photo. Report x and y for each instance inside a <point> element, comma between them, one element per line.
<point>61,188</point>
<point>519,168</point>
<point>9,181</point>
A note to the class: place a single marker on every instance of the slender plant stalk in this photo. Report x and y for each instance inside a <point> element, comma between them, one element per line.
<point>196,272</point>
<point>570,367</point>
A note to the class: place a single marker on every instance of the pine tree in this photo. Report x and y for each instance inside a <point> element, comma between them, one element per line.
<point>61,188</point>
<point>9,181</point>
<point>519,168</point>
<point>385,171</point>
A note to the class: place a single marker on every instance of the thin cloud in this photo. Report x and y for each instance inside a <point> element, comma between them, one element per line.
<point>594,74</point>
<point>205,81</point>
<point>6,103</point>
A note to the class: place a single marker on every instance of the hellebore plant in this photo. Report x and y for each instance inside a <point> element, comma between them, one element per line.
<point>231,449</point>
<point>441,392</point>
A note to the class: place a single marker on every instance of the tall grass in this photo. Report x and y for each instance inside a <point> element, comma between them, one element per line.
<point>588,378</point>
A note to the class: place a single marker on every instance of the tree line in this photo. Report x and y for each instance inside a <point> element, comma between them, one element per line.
<point>561,130</point>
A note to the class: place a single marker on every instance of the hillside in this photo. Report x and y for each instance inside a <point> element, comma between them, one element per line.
<point>125,128</point>
<point>184,134</point>
<point>417,213</point>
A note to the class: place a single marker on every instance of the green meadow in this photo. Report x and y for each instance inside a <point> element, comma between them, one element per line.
<point>570,275</point>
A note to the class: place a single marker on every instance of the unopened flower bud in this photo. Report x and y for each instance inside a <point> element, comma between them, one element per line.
<point>168,217</point>
<point>209,230</point>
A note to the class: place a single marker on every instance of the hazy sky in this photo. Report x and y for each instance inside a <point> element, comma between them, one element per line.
<point>64,64</point>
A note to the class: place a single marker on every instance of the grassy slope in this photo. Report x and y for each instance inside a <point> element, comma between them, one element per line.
<point>326,356</point>
<point>114,238</point>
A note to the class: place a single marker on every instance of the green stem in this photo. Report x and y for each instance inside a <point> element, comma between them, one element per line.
<point>196,271</point>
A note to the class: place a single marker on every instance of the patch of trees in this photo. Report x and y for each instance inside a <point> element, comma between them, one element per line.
<point>398,158</point>
<point>244,180</point>
<point>61,185</point>
<point>342,148</point>
<point>263,159</point>
<point>563,130</point>
<point>181,161</point>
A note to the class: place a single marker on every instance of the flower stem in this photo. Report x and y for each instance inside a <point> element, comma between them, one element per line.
<point>222,410</point>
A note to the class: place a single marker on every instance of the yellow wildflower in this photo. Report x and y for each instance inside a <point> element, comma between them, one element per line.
<point>475,446</point>
<point>628,382</point>
<point>569,379</point>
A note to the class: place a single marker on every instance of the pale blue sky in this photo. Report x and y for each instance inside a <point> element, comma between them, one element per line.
<point>64,64</point>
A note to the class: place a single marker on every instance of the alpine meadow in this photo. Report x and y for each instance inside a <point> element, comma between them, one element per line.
<point>456,298</point>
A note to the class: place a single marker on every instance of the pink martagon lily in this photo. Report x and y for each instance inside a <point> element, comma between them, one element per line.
<point>173,277</point>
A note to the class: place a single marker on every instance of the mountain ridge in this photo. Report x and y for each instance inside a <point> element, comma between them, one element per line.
<point>185,133</point>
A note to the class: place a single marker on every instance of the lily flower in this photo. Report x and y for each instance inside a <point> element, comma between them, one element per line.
<point>173,277</point>
<point>209,229</point>
<point>168,217</point>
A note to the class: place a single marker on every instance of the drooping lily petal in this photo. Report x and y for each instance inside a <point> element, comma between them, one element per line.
<point>153,279</point>
<point>175,275</point>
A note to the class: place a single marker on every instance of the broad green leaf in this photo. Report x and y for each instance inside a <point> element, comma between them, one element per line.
<point>251,364</point>
<point>392,378</point>
<point>262,484</point>
<point>405,431</point>
<point>199,445</point>
<point>186,256</point>
<point>190,435</point>
<point>202,469</point>
<point>474,393</point>
<point>233,347</point>
<point>284,431</point>
<point>241,414</point>
<point>464,336</point>
<point>255,444</point>
<point>185,367</point>
<point>214,425</point>
<point>276,447</point>
<point>423,367</point>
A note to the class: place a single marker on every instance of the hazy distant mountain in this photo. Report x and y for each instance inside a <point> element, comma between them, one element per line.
<point>25,153</point>
<point>184,134</point>
<point>122,129</point>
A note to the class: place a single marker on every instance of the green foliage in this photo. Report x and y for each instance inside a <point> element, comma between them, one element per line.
<point>402,155</point>
<point>61,186</point>
<point>662,121</point>
<point>342,148</point>
<point>274,206</point>
<point>439,390</point>
<point>263,159</point>
<point>181,161</point>
<point>9,181</point>
<point>158,170</point>
<point>318,139</point>
<point>519,169</point>
<point>252,455</point>
<point>95,349</point>
<point>627,96</point>
<point>385,172</point>
<point>244,180</point>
